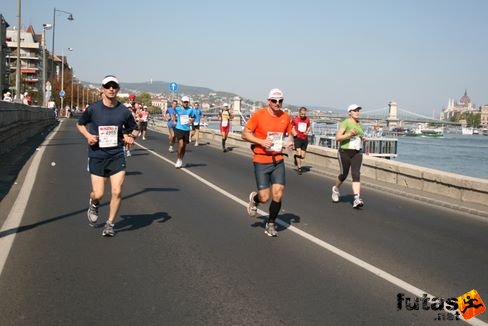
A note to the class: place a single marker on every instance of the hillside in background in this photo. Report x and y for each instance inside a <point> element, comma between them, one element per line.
<point>161,87</point>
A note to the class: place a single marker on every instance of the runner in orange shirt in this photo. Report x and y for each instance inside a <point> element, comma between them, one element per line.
<point>266,131</point>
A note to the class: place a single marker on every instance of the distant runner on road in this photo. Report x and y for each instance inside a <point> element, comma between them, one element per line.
<point>300,129</point>
<point>184,120</point>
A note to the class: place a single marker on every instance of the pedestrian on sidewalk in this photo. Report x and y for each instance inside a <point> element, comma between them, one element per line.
<point>350,154</point>
<point>107,124</point>
<point>266,130</point>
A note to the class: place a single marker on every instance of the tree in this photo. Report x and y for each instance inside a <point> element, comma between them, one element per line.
<point>144,99</point>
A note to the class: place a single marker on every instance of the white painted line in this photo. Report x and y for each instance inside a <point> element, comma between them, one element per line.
<point>341,253</point>
<point>16,213</point>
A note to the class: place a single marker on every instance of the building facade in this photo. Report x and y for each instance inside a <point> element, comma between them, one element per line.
<point>30,60</point>
<point>4,50</point>
<point>453,107</point>
<point>484,116</point>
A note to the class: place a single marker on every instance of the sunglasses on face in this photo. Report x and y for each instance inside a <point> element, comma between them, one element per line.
<point>276,101</point>
<point>185,102</point>
<point>357,110</point>
<point>111,85</point>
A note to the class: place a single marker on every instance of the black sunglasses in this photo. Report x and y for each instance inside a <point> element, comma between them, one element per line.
<point>111,85</point>
<point>276,101</point>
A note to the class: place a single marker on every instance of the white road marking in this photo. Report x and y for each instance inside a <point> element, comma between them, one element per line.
<point>341,253</point>
<point>16,213</point>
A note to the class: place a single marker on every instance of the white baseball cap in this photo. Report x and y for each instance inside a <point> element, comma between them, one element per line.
<point>276,94</point>
<point>185,99</point>
<point>353,107</point>
<point>225,105</point>
<point>110,78</point>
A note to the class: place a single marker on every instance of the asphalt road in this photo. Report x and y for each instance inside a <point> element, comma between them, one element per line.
<point>186,253</point>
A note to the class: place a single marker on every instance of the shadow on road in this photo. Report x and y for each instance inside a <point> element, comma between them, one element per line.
<point>28,227</point>
<point>134,222</point>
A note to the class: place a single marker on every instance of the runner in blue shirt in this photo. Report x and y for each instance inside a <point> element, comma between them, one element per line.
<point>196,122</point>
<point>184,119</point>
<point>170,113</point>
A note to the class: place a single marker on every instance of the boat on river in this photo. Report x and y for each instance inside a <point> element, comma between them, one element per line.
<point>467,130</point>
<point>424,130</point>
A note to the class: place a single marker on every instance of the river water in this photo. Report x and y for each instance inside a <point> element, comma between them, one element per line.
<point>461,154</point>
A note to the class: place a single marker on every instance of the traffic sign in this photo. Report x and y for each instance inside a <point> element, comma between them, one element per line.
<point>62,93</point>
<point>173,87</point>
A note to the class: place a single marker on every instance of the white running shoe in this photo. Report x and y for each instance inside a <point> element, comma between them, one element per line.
<point>270,229</point>
<point>358,202</point>
<point>92,212</point>
<point>196,143</point>
<point>128,154</point>
<point>335,194</point>
<point>178,164</point>
<point>252,207</point>
<point>170,149</point>
<point>108,230</point>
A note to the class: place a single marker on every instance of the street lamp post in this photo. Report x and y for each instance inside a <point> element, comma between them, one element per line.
<point>72,77</point>
<point>70,18</point>
<point>62,81</point>
<point>78,95</point>
<point>17,72</point>
<point>44,28</point>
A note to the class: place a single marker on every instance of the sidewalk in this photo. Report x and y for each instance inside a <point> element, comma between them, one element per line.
<point>13,167</point>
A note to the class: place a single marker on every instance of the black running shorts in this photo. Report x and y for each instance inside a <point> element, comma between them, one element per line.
<point>105,167</point>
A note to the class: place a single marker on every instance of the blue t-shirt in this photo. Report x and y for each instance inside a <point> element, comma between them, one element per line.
<point>98,115</point>
<point>170,112</point>
<point>198,116</point>
<point>183,115</point>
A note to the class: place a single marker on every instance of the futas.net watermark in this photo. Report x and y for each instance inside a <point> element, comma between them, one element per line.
<point>463,307</point>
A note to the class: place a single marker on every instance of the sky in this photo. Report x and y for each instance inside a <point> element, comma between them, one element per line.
<point>329,53</point>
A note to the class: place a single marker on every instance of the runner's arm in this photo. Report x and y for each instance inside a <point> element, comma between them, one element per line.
<point>248,135</point>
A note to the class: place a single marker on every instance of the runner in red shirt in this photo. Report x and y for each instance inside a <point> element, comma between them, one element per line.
<point>300,129</point>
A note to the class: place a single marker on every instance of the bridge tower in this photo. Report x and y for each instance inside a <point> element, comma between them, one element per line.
<point>236,110</point>
<point>392,120</point>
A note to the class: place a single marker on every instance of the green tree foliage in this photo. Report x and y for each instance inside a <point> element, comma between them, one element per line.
<point>472,118</point>
<point>144,99</point>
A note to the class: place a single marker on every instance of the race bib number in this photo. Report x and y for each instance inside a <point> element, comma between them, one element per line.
<point>184,119</point>
<point>355,143</point>
<point>108,136</point>
<point>277,139</point>
<point>196,123</point>
<point>302,126</point>
<point>225,123</point>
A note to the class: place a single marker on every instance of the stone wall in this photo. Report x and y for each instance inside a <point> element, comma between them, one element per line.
<point>19,122</point>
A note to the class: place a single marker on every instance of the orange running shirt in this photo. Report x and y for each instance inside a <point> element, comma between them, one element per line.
<point>262,124</point>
